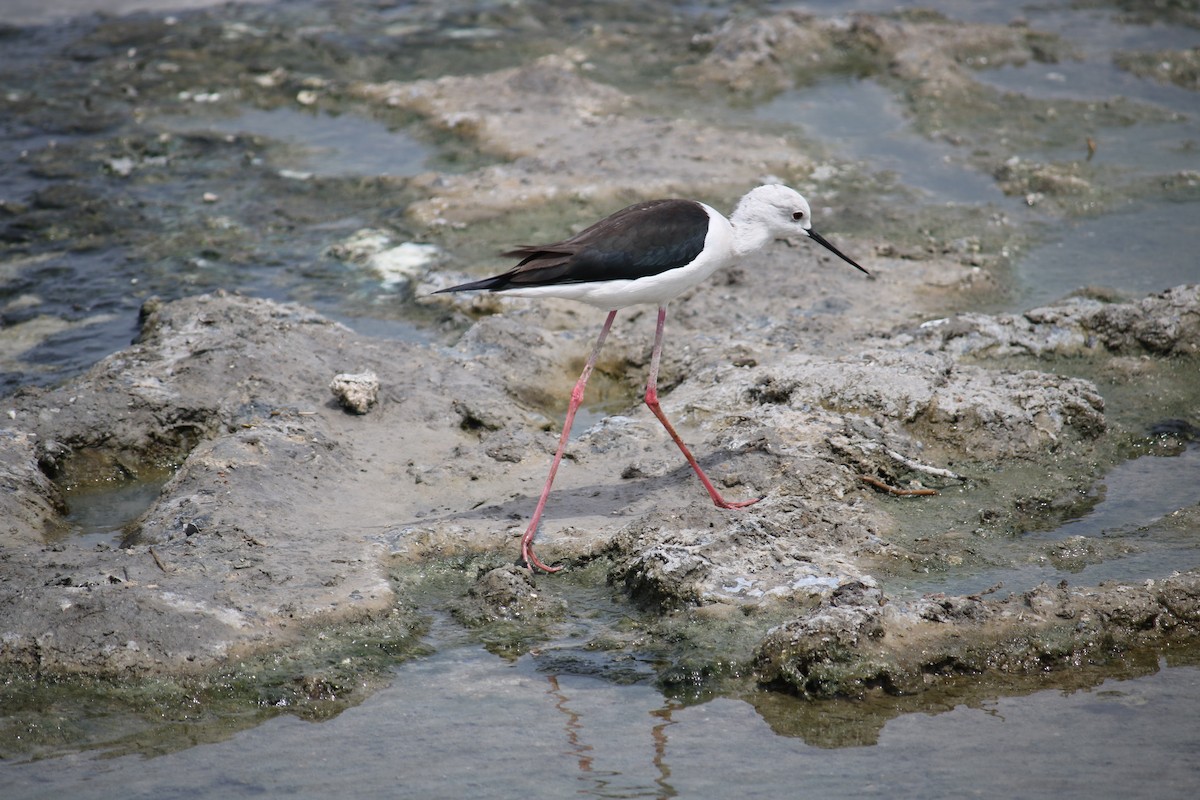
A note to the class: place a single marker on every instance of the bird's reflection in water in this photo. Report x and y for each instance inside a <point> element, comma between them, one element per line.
<point>659,734</point>
<point>573,726</point>
<point>603,783</point>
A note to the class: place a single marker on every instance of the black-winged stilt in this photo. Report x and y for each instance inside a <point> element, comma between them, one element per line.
<point>647,253</point>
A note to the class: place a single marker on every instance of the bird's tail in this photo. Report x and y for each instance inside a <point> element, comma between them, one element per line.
<point>485,283</point>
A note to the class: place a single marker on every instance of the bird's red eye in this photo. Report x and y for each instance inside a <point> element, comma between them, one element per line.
<point>797,215</point>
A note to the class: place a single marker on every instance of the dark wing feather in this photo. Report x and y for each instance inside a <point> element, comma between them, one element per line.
<point>641,240</point>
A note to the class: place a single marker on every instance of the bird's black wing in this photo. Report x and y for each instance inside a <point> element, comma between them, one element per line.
<point>638,241</point>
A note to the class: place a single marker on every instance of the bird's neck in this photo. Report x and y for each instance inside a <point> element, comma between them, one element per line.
<point>749,235</point>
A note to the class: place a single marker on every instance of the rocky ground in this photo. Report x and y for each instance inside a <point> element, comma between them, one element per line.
<point>287,510</point>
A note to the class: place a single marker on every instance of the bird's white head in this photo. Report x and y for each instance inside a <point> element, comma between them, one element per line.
<point>775,211</point>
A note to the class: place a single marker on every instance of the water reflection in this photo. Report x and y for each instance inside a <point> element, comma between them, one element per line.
<point>604,783</point>
<point>572,726</point>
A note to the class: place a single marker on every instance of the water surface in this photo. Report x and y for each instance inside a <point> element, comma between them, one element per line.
<point>464,723</point>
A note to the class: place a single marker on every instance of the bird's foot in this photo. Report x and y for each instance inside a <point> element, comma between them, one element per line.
<point>723,503</point>
<point>531,561</point>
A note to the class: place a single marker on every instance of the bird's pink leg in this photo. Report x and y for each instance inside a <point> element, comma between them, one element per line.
<point>527,555</point>
<point>652,402</point>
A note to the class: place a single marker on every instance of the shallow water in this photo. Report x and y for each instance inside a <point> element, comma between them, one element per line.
<point>465,723</point>
<point>97,515</point>
<point>865,122</point>
<point>1123,507</point>
<point>319,143</point>
<point>1148,248</point>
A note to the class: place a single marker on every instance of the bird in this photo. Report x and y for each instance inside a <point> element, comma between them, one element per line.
<point>647,254</point>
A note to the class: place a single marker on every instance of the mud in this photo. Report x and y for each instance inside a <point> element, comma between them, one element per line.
<point>291,510</point>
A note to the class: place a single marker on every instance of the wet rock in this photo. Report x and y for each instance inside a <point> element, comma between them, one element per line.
<point>506,593</point>
<point>269,524</point>
<point>763,55</point>
<point>987,413</point>
<point>826,653</point>
<point>806,429</point>
<point>1162,324</point>
<point>1036,180</point>
<point>282,508</point>
<point>904,647</point>
<point>1076,552</point>
<point>780,554</point>
<point>31,506</point>
<point>1179,67</point>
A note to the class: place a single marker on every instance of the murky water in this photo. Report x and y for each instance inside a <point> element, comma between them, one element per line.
<point>464,721</point>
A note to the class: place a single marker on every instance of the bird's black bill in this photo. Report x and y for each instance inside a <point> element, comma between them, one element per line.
<point>816,237</point>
